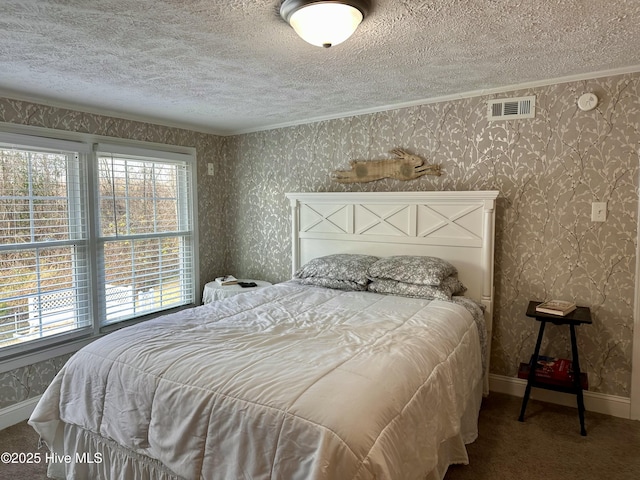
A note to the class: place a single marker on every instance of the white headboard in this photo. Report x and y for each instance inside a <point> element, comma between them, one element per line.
<point>456,226</point>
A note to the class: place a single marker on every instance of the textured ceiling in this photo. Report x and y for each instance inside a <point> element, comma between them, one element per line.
<point>234,66</point>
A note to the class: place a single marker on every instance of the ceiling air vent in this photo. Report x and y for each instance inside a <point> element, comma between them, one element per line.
<point>512,108</point>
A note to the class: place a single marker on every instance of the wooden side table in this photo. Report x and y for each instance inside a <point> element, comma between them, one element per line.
<point>582,315</point>
<point>214,291</point>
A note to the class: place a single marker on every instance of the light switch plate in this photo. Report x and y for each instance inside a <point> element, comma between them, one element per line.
<point>599,211</point>
<point>209,168</point>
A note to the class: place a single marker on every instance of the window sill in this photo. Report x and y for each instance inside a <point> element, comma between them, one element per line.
<point>72,345</point>
<point>46,353</point>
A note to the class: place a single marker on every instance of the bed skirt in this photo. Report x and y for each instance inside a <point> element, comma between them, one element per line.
<point>453,451</point>
<point>83,454</point>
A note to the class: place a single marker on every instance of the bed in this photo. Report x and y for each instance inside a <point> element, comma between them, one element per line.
<point>296,381</point>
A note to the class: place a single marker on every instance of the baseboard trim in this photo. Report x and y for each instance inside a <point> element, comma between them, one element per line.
<point>593,401</point>
<point>18,412</point>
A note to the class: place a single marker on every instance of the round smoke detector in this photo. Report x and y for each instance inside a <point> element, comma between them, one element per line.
<point>587,101</point>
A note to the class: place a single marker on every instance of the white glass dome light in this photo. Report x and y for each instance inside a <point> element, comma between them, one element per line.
<point>324,23</point>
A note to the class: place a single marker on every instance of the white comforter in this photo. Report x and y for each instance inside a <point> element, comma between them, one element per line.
<point>288,382</point>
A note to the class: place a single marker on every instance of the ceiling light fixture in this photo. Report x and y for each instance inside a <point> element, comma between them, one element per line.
<point>324,23</point>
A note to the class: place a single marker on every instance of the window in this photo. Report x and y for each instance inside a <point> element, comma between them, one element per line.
<point>89,239</point>
<point>145,238</point>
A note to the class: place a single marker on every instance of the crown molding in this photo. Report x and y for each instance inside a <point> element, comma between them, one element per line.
<point>452,97</point>
<point>367,111</point>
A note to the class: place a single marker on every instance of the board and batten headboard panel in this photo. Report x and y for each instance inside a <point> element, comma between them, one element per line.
<point>454,225</point>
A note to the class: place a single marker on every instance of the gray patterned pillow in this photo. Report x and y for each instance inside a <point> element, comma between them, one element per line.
<point>420,270</point>
<point>343,266</point>
<point>449,286</point>
<point>331,283</point>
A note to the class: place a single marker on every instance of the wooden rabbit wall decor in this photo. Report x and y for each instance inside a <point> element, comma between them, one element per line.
<point>405,166</point>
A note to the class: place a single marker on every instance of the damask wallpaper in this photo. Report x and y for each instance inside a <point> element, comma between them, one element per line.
<point>548,171</point>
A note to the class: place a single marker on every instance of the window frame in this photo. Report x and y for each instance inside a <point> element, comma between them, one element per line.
<point>87,146</point>
<point>185,218</point>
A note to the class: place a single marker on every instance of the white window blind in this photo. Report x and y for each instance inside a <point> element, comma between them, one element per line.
<point>90,237</point>
<point>44,287</point>
<point>146,233</point>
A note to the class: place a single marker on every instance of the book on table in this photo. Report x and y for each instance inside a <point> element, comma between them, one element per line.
<point>227,280</point>
<point>556,307</point>
<point>553,367</point>
<point>554,371</point>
